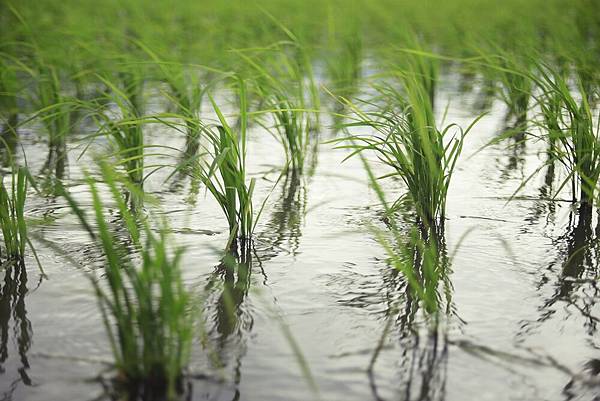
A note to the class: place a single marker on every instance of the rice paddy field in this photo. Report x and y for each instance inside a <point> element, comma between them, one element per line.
<point>299,200</point>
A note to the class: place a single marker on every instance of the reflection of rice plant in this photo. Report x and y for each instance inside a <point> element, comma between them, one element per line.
<point>406,138</point>
<point>417,253</point>
<point>235,272</point>
<point>145,309</point>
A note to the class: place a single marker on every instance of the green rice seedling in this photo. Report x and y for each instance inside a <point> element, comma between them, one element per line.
<point>145,308</point>
<point>421,65</point>
<point>486,94</point>
<point>188,103</point>
<point>9,139</point>
<point>125,131</point>
<point>224,175</point>
<point>53,108</point>
<point>344,61</point>
<point>8,90</point>
<point>283,95</point>
<point>286,85</point>
<point>516,83</point>
<point>571,131</point>
<point>131,80</point>
<point>185,93</point>
<point>301,55</point>
<point>344,71</point>
<point>407,139</point>
<point>12,218</point>
<point>583,51</point>
<point>9,112</point>
<point>292,128</point>
<point>516,93</point>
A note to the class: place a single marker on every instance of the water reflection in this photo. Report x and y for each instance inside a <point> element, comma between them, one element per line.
<point>575,284</point>
<point>423,300</point>
<point>485,96</point>
<point>54,169</point>
<point>284,227</point>
<point>187,167</point>
<point>423,366</point>
<point>545,205</point>
<point>584,385</point>
<point>515,154</point>
<point>12,307</point>
<point>229,317</point>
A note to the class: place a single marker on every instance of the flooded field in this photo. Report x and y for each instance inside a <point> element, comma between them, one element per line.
<point>300,200</point>
<point>316,293</point>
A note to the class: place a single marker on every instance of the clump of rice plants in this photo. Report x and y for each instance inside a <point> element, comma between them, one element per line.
<point>185,93</point>
<point>145,308</point>
<point>12,218</point>
<point>344,62</point>
<point>288,92</point>
<point>516,83</point>
<point>224,174</point>
<point>571,131</point>
<point>516,91</point>
<point>344,70</point>
<point>124,129</point>
<point>406,138</point>
<point>9,112</point>
<point>54,109</point>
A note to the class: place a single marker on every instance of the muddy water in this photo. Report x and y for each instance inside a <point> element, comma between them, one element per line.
<point>317,294</point>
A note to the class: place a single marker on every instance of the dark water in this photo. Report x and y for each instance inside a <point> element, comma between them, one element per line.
<point>522,322</point>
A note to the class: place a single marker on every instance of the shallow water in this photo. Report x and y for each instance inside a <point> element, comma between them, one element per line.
<point>523,317</point>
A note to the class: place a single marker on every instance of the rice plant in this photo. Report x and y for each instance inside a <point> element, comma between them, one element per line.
<point>344,70</point>
<point>185,93</point>
<point>405,137</point>
<point>344,62</point>
<point>9,111</point>
<point>516,93</point>
<point>12,219</point>
<point>287,90</point>
<point>145,308</point>
<point>571,130</point>
<point>224,174</point>
<point>421,65</point>
<point>53,108</point>
<point>516,83</point>
<point>124,129</point>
